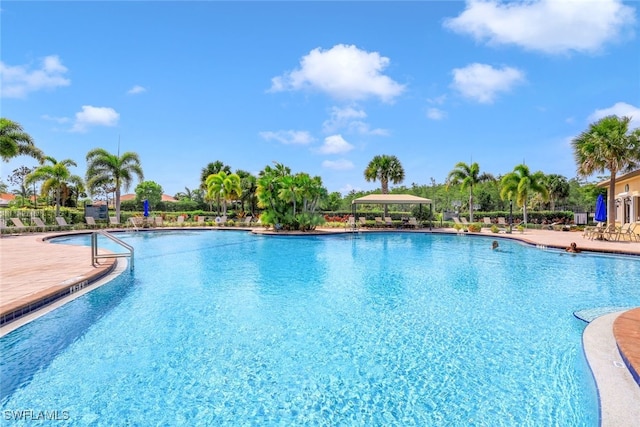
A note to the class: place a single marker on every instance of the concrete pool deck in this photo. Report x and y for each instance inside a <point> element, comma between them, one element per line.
<point>32,269</point>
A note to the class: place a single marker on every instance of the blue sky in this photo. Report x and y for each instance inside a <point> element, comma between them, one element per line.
<point>321,87</point>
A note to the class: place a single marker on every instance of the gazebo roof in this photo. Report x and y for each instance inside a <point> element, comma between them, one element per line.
<point>387,199</point>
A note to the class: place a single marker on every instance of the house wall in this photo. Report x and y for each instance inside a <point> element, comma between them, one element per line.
<point>627,191</point>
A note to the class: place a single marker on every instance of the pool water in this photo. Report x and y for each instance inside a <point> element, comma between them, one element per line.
<point>228,328</point>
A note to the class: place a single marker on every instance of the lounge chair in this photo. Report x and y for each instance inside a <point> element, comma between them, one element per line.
<point>20,225</point>
<point>201,220</point>
<point>180,220</point>
<point>502,222</point>
<point>487,221</point>
<point>40,223</point>
<point>590,232</point>
<point>91,222</point>
<point>62,223</point>
<point>247,220</point>
<point>362,221</point>
<point>464,221</point>
<point>379,221</point>
<point>388,222</point>
<point>137,221</point>
<point>627,230</point>
<point>350,223</point>
<point>157,221</point>
<point>413,222</point>
<point>114,221</point>
<point>609,232</point>
<point>462,226</point>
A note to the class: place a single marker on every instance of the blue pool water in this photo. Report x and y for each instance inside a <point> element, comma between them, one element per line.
<point>228,328</point>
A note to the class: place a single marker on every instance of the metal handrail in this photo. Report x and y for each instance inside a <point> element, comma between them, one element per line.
<point>94,248</point>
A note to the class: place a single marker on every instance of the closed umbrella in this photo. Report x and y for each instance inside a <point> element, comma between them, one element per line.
<point>601,209</point>
<point>145,205</point>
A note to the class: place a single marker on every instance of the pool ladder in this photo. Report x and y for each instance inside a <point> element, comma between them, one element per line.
<point>94,248</point>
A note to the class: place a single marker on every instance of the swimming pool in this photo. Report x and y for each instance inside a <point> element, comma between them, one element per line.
<point>227,328</point>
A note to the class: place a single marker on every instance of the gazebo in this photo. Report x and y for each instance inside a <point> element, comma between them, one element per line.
<point>389,199</point>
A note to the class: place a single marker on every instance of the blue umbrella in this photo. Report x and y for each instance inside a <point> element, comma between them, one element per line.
<point>601,209</point>
<point>145,205</point>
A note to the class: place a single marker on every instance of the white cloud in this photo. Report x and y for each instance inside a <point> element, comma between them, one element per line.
<point>619,109</point>
<point>296,137</point>
<point>20,80</point>
<point>348,188</point>
<point>136,90</point>
<point>341,164</point>
<point>482,82</point>
<point>438,100</point>
<point>95,116</point>
<point>348,118</point>
<point>335,144</point>
<point>436,114</point>
<point>343,72</point>
<point>60,120</point>
<point>549,26</point>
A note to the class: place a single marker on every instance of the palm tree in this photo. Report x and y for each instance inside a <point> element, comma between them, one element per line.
<point>468,176</point>
<point>607,145</point>
<point>249,185</point>
<point>384,168</point>
<point>289,190</point>
<point>55,176</point>
<point>521,183</point>
<point>14,141</point>
<point>104,168</point>
<point>557,187</point>
<point>224,186</point>
<point>212,169</point>
<point>187,194</point>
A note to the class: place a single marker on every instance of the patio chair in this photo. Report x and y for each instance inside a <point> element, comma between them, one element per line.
<point>157,221</point>
<point>201,220</point>
<point>137,221</point>
<point>388,222</point>
<point>350,223</point>
<point>40,223</point>
<point>379,221</point>
<point>487,221</point>
<point>114,221</point>
<point>180,220</point>
<point>590,230</point>
<point>17,222</point>
<point>413,222</point>
<point>609,232</point>
<point>362,221</point>
<point>462,226</point>
<point>62,223</point>
<point>464,221</point>
<point>91,222</point>
<point>627,230</point>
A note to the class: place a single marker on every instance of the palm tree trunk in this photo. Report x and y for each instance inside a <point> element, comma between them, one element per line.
<point>471,205</point>
<point>58,202</point>
<point>611,208</point>
<point>117,203</point>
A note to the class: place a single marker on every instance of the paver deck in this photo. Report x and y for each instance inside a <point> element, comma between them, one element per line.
<point>31,268</point>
